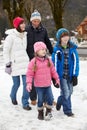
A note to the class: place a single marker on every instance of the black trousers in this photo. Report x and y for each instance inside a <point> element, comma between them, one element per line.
<point>33,94</point>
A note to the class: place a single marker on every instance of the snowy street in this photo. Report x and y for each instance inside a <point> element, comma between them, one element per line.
<point>16,118</point>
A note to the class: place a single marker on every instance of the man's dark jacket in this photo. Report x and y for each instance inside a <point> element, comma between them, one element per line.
<point>34,35</point>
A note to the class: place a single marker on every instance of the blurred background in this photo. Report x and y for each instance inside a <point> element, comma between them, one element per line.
<point>70,14</point>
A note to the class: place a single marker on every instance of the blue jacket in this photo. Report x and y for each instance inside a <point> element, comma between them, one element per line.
<point>58,60</point>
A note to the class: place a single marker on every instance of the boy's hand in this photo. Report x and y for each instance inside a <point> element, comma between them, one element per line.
<point>74,80</point>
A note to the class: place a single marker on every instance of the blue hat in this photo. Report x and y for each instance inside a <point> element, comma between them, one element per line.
<point>60,32</point>
<point>35,15</point>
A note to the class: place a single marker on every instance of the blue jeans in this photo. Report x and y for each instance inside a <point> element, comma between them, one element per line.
<point>44,92</point>
<point>65,97</point>
<point>16,84</point>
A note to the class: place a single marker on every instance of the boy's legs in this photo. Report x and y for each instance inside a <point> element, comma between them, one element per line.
<point>65,98</point>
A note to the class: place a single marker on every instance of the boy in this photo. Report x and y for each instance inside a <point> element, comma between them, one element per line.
<point>66,61</point>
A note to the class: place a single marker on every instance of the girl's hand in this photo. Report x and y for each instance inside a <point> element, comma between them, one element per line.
<point>57,82</point>
<point>29,88</point>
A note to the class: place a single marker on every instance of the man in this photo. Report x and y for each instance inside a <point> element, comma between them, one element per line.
<point>36,32</point>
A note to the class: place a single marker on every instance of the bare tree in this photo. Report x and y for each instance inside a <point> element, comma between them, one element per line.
<point>15,8</point>
<point>25,7</point>
<point>28,8</point>
<point>57,7</point>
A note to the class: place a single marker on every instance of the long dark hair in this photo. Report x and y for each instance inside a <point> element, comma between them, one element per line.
<point>19,29</point>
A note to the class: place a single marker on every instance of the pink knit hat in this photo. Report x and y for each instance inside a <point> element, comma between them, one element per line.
<point>39,45</point>
<point>17,21</point>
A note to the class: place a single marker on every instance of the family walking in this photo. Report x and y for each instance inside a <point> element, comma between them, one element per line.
<point>25,54</point>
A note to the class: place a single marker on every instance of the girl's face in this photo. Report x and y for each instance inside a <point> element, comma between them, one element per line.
<point>36,23</point>
<point>64,40</point>
<point>22,26</point>
<point>41,53</point>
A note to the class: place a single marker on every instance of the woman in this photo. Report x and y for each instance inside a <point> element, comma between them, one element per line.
<point>16,60</point>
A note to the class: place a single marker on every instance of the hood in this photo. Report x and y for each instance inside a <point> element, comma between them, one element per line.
<point>14,31</point>
<point>9,31</point>
<point>70,44</point>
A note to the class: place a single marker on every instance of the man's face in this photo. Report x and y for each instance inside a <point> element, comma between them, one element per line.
<point>35,23</point>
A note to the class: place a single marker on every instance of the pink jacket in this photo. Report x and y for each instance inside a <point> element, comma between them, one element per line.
<point>43,74</point>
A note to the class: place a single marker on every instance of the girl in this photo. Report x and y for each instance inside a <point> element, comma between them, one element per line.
<point>42,70</point>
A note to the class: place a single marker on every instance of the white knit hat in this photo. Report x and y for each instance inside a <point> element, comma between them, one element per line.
<point>35,15</point>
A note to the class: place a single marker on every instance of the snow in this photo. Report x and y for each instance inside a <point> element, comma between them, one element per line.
<point>16,118</point>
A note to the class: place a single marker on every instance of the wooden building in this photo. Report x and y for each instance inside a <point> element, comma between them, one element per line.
<point>82,29</point>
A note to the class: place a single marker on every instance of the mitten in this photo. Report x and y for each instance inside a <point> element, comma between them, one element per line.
<point>56,84</point>
<point>8,68</point>
<point>74,80</point>
<point>29,88</point>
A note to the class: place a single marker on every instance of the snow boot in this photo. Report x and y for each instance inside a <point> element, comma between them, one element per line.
<point>40,115</point>
<point>48,114</point>
<point>33,102</point>
<point>58,107</point>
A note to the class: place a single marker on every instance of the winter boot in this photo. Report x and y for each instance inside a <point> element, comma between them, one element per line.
<point>58,107</point>
<point>33,102</point>
<point>40,115</point>
<point>48,114</point>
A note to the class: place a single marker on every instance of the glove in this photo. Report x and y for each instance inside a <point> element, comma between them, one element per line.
<point>29,88</point>
<point>74,80</point>
<point>56,84</point>
<point>8,68</point>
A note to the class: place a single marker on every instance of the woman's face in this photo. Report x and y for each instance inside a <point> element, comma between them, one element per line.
<point>22,26</point>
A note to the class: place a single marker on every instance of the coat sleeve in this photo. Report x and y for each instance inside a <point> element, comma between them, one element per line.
<point>7,49</point>
<point>76,63</point>
<point>54,74</point>
<point>54,55</point>
<point>30,72</point>
<point>48,43</point>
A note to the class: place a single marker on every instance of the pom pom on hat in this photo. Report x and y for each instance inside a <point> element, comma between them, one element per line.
<point>35,15</point>
<point>38,46</point>
<point>17,21</point>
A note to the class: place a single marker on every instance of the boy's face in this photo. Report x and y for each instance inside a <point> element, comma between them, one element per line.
<point>64,40</point>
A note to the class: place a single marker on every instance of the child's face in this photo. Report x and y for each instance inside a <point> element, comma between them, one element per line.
<point>41,53</point>
<point>64,40</point>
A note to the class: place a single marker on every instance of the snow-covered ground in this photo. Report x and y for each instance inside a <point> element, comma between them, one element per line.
<point>16,118</point>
